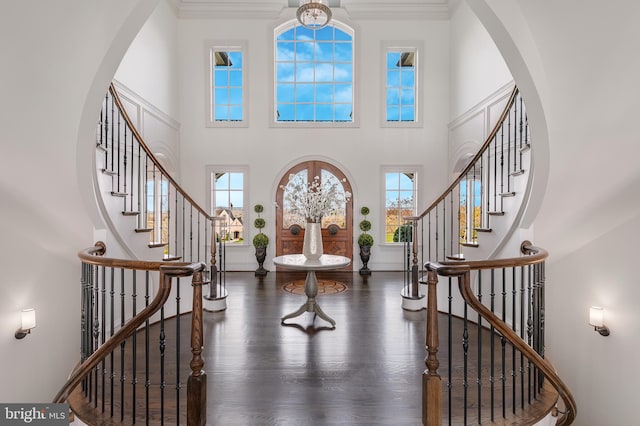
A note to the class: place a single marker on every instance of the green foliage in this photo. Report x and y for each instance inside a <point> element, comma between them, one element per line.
<point>259,223</point>
<point>364,210</point>
<point>365,240</point>
<point>260,240</point>
<point>258,208</point>
<point>365,225</point>
<point>403,234</point>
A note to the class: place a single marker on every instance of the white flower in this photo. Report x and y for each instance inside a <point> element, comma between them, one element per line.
<point>314,200</point>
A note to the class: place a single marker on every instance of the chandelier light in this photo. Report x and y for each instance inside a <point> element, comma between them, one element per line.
<point>313,14</point>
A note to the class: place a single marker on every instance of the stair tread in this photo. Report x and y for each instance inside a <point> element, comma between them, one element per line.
<point>458,256</point>
<point>108,172</point>
<point>496,213</point>
<point>141,230</point>
<point>119,194</point>
<point>470,244</point>
<point>130,213</point>
<point>170,257</point>
<point>483,229</point>
<point>156,245</point>
<point>508,194</point>
<point>517,172</point>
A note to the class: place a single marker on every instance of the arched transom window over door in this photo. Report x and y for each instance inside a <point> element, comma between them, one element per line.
<point>337,229</point>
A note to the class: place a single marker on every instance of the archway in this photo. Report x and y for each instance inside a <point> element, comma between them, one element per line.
<point>337,230</point>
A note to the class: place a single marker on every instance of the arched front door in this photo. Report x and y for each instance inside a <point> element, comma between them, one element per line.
<point>337,230</point>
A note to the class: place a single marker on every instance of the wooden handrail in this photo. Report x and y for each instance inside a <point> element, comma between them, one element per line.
<point>478,155</point>
<point>146,149</point>
<point>88,256</point>
<point>167,273</point>
<point>462,270</point>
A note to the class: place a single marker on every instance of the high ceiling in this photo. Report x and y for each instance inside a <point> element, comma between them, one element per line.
<point>355,9</point>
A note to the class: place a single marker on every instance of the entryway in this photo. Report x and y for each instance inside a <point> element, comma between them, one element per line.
<point>337,230</point>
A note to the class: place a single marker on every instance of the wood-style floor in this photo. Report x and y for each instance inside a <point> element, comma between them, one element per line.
<point>366,371</point>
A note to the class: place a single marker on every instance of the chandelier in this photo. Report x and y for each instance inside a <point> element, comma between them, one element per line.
<point>313,14</point>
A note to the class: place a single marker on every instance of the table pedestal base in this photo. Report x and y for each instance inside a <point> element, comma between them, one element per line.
<point>311,290</point>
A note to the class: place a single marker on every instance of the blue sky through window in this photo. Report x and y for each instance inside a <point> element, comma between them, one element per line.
<point>314,75</point>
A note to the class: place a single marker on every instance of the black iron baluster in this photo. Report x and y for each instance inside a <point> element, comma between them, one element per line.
<point>514,320</point>
<point>495,170</point>
<point>112,324</point>
<point>178,384</point>
<point>450,348</point>
<point>492,297</point>
<point>134,349</point>
<point>522,332</point>
<point>113,147</point>
<point>103,333</point>
<point>124,168</point>
<point>183,230</point>
<point>84,307</point>
<point>479,381</point>
<point>437,236</point>
<point>503,342</point>
<point>163,345</point>
<point>147,363</point>
<point>122,345</point>
<point>465,368</point>
<point>95,307</point>
<point>529,327</point>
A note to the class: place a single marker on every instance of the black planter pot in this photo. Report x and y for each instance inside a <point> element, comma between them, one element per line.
<point>261,255</point>
<point>365,254</point>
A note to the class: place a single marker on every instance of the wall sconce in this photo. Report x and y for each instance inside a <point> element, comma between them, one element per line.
<point>596,319</point>
<point>28,320</point>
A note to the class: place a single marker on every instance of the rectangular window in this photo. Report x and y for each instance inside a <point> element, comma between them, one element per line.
<point>400,98</point>
<point>228,193</point>
<point>400,202</point>
<point>227,74</point>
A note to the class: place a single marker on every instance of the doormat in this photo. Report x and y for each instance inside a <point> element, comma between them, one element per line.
<point>325,287</point>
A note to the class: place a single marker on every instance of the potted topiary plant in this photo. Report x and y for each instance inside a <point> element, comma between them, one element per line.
<point>365,241</point>
<point>260,241</point>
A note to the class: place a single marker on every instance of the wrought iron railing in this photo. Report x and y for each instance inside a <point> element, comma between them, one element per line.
<point>501,304</point>
<point>163,210</point>
<point>132,366</point>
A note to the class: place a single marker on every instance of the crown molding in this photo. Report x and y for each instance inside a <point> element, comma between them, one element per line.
<point>423,10</point>
<point>355,9</point>
<point>203,9</point>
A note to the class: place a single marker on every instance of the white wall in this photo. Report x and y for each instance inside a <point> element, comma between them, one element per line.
<point>477,66</point>
<point>360,152</point>
<point>150,66</point>
<point>58,58</point>
<point>581,90</point>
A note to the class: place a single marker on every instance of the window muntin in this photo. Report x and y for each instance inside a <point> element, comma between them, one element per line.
<point>227,100</point>
<point>157,207</point>
<point>470,209</point>
<point>313,74</point>
<point>402,74</point>
<point>400,202</point>
<point>228,190</point>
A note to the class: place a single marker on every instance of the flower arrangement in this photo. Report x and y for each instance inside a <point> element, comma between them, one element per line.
<point>314,200</point>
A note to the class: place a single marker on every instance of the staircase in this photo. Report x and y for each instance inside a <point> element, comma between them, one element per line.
<point>456,242</point>
<point>147,212</point>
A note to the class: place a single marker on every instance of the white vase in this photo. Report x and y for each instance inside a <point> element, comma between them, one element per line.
<point>312,245</point>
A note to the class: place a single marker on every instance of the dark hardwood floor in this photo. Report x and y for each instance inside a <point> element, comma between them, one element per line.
<point>366,371</point>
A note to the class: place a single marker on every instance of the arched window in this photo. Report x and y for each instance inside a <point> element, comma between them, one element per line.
<point>313,74</point>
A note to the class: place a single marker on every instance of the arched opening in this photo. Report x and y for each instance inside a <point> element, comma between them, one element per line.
<point>337,229</point>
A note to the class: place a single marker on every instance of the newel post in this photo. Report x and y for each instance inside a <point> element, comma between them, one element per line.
<point>197,382</point>
<point>431,380</point>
